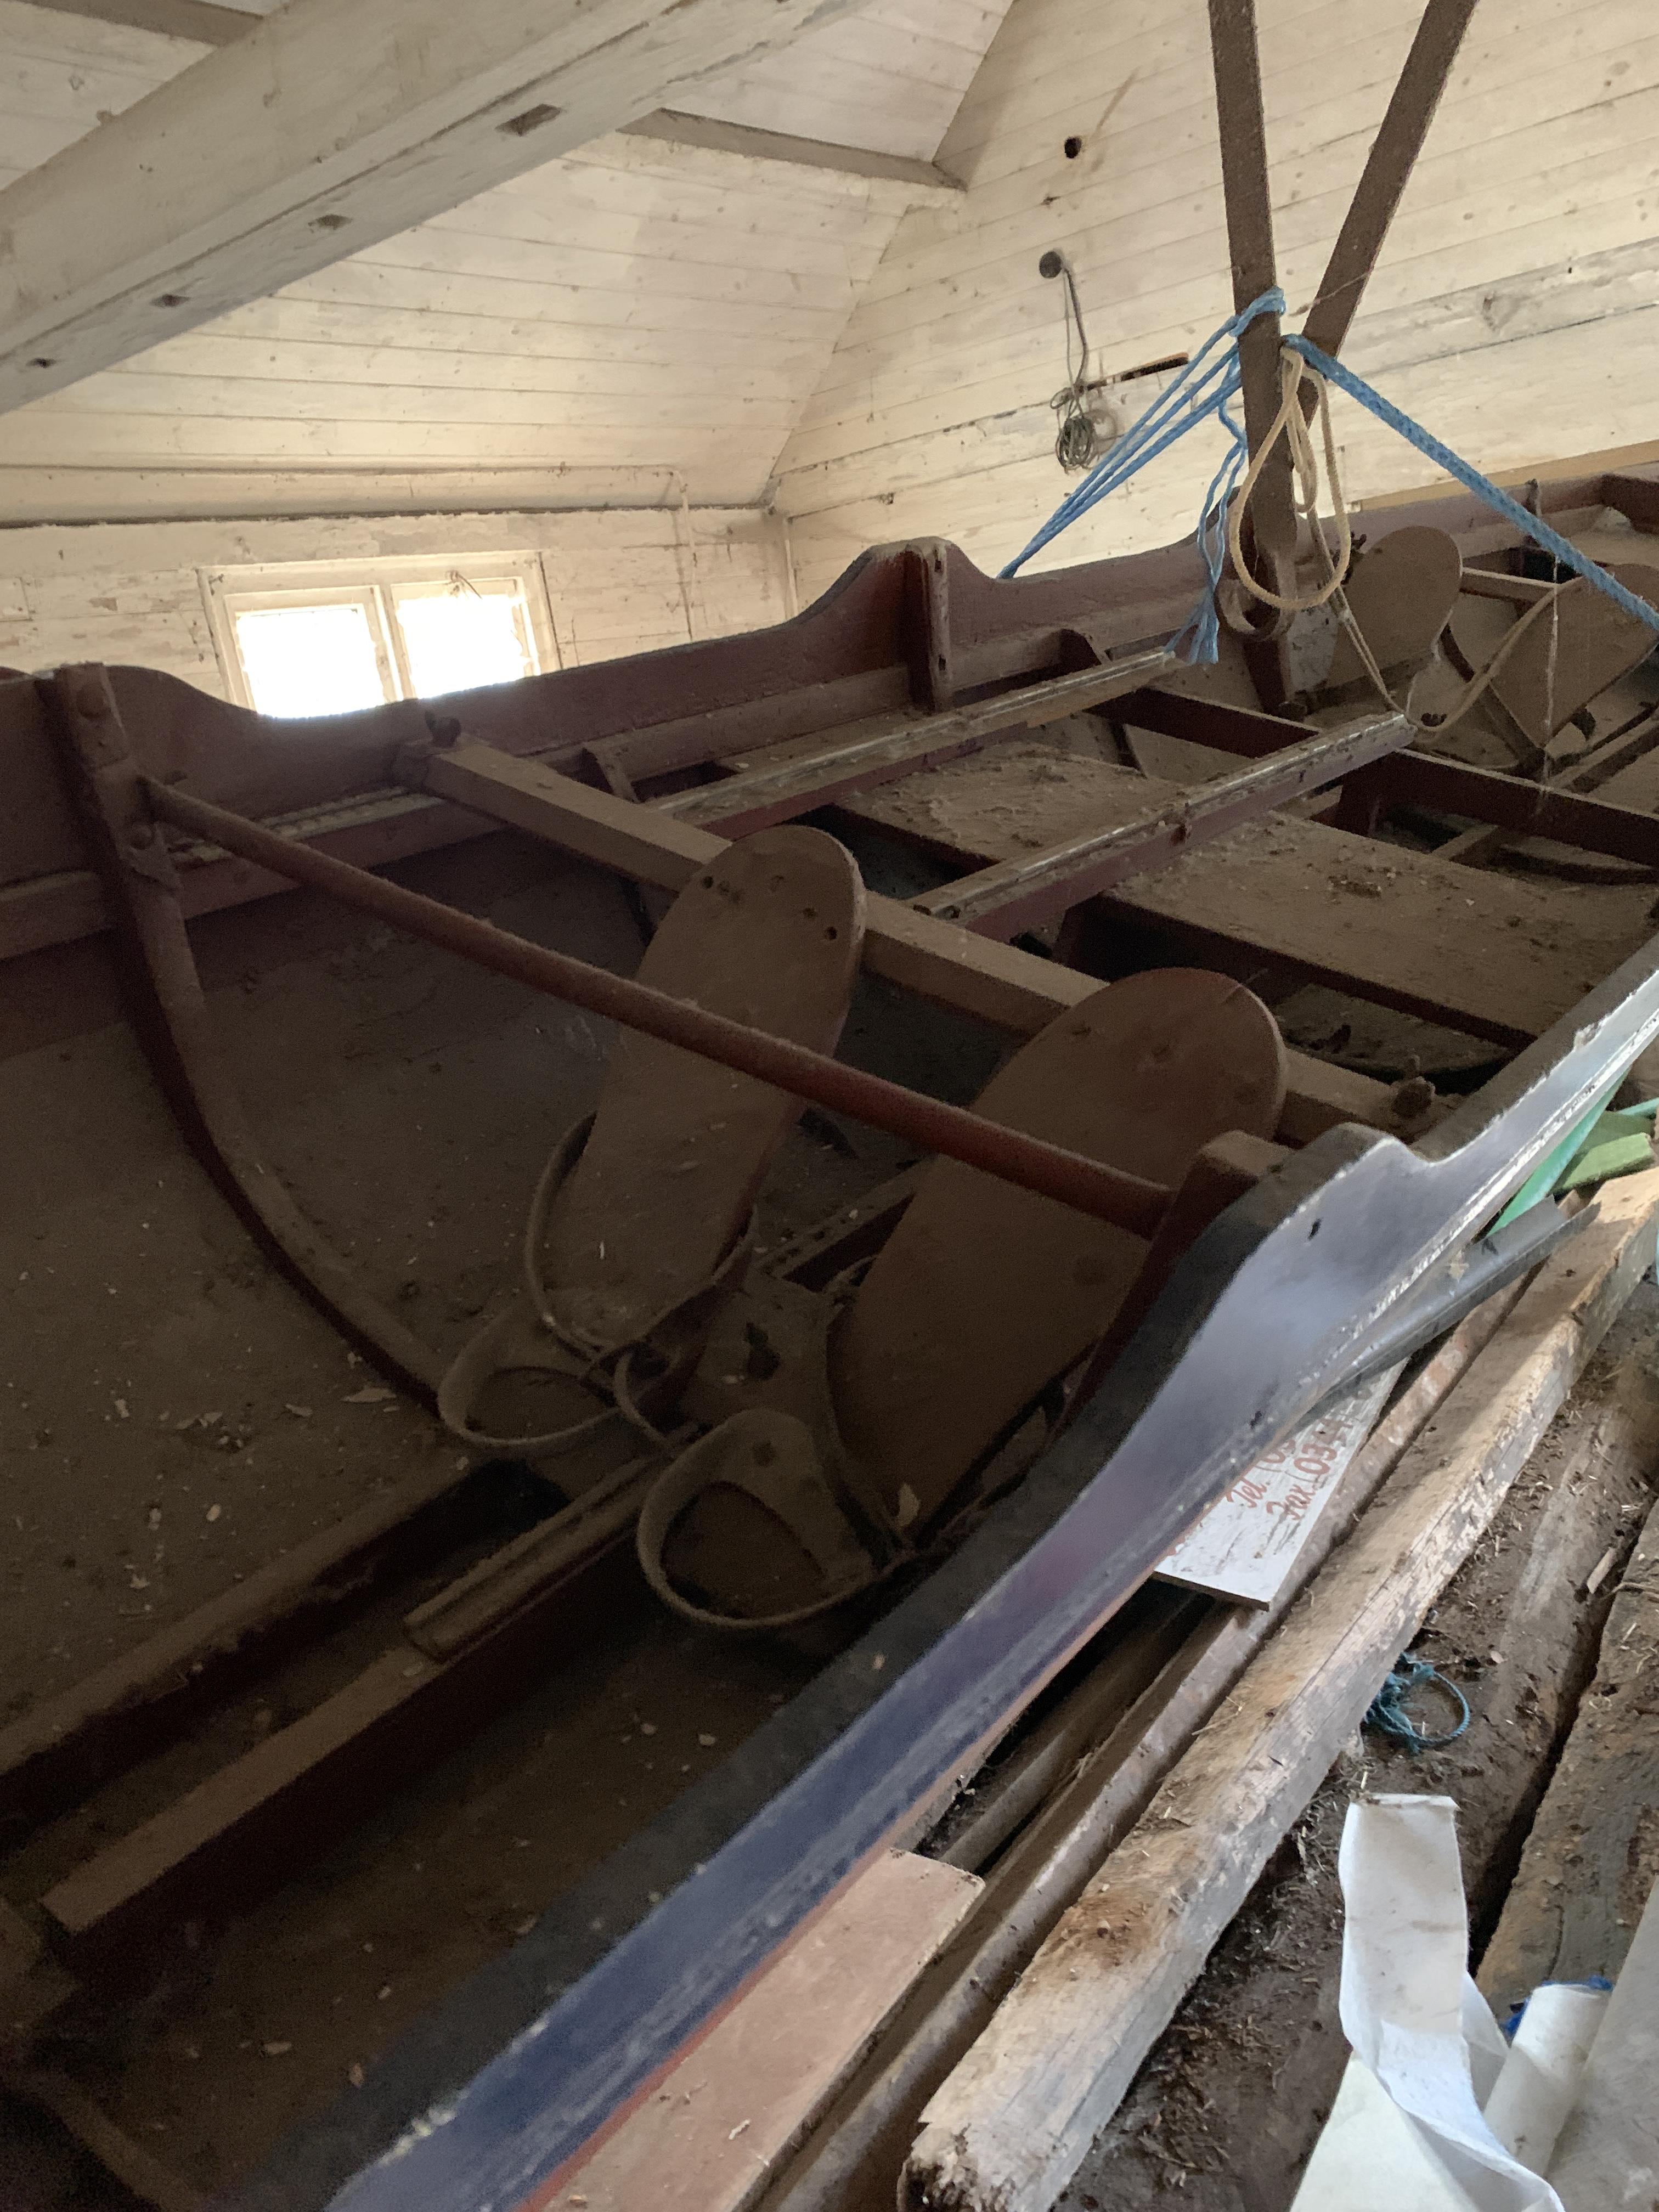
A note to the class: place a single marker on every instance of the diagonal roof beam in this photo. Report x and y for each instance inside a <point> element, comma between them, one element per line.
<point>333,124</point>
<point>1388,169</point>
<point>203,21</point>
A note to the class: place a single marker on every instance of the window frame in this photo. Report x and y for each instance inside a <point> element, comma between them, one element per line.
<point>373,585</point>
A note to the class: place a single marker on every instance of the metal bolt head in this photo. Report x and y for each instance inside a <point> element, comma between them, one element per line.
<point>140,834</point>
<point>90,702</point>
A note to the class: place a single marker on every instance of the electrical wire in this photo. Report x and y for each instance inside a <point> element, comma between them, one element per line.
<point>1077,439</point>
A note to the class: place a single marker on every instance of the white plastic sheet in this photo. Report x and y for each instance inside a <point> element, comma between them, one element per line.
<point>1418,2027</point>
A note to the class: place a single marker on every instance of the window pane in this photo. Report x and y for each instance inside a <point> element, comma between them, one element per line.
<point>310,660</point>
<point>457,639</point>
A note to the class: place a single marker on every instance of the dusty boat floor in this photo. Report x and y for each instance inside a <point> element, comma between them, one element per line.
<point>176,1416</point>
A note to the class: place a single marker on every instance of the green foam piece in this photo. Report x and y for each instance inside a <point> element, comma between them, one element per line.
<point>1607,1154</point>
<point>1543,1179</point>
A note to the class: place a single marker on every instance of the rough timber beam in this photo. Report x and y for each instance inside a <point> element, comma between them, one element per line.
<point>1250,242</point>
<point>327,128</point>
<point>201,20</point>
<point>1388,169</point>
<point>919,180</point>
<point>1270,547</point>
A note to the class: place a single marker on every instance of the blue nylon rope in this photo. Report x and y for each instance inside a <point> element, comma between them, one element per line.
<point>1386,1711</point>
<point>1563,549</point>
<point>1202,391</point>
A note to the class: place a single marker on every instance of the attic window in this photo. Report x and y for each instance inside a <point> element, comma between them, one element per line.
<point>457,634</point>
<point>292,648</point>
<point>321,658</point>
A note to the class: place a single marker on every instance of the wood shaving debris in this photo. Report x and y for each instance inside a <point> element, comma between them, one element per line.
<point>1599,1573</point>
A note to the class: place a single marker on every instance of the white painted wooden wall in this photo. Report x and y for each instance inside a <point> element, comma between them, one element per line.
<point>632,313</point>
<point>1515,311</point>
<point>617,583</point>
<point>633,327</point>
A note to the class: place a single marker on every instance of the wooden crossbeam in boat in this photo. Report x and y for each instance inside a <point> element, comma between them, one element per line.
<point>936,959</point>
<point>248,1826</point>
<point>1495,584</point>
<point>1519,808</point>
<point>766,795</point>
<point>1410,777</point>
<point>933,1124</point>
<point>1021,893</point>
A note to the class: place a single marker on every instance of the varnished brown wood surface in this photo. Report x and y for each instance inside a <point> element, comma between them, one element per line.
<point>1499,958</point>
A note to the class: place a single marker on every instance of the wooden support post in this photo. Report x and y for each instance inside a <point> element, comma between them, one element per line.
<point>1250,240</point>
<point>927,599</point>
<point>1013,895</point>
<point>1008,2128</point>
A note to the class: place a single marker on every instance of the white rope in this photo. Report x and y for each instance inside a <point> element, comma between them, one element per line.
<point>1291,423</point>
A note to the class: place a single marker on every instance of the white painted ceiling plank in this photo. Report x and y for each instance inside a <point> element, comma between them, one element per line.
<point>206,398</point>
<point>632,307</point>
<point>1597,156</point>
<point>323,125</point>
<point>123,493</point>
<point>366,331</point>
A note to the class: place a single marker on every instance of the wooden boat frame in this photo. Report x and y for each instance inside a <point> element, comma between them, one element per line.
<point>126,769</point>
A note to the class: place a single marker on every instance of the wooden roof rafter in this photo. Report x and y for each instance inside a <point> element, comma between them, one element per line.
<point>319,133</point>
